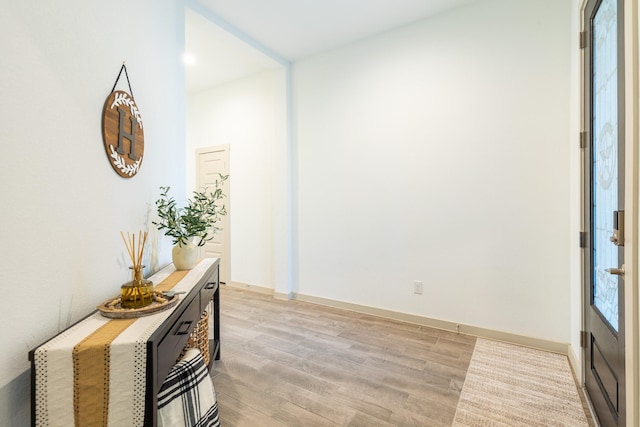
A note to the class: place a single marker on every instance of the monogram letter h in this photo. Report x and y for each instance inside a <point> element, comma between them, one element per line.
<point>123,134</point>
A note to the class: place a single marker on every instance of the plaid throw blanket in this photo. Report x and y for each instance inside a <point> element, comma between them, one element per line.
<point>187,397</point>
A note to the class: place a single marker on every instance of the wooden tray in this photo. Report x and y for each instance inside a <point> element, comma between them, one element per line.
<point>113,309</point>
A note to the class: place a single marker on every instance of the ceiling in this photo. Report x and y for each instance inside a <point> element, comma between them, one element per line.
<point>218,55</point>
<point>289,29</point>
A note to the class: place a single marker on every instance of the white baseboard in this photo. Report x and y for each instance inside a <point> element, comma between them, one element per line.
<point>542,344</point>
<point>574,361</point>
<point>254,288</point>
<point>281,295</point>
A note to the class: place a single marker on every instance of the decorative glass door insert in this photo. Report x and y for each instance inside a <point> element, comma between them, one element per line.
<point>605,161</point>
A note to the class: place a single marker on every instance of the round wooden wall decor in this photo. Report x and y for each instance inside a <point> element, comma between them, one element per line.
<point>122,133</point>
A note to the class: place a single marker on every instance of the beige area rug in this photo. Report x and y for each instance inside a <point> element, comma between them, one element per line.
<point>509,385</point>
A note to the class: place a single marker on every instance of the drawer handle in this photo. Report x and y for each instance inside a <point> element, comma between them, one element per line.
<point>184,328</point>
<point>210,285</point>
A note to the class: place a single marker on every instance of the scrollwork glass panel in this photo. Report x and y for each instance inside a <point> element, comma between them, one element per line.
<point>605,160</point>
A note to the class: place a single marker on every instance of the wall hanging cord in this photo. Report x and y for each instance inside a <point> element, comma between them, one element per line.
<point>124,67</point>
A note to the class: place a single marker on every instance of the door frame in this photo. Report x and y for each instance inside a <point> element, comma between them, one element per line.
<point>631,182</point>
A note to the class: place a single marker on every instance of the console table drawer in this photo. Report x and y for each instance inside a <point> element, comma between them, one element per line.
<point>207,292</point>
<point>175,340</point>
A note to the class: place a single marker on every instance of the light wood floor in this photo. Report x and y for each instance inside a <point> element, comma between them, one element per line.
<point>289,363</point>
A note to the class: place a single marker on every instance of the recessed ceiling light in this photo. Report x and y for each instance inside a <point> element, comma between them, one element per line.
<point>189,59</point>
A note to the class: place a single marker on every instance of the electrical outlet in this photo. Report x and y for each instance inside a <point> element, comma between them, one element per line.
<point>417,287</point>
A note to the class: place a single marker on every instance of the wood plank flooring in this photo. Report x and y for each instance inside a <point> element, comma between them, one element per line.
<point>290,363</point>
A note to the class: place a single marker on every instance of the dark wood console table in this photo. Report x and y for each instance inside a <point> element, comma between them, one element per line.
<point>162,337</point>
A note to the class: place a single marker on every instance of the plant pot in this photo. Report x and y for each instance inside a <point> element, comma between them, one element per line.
<point>185,257</point>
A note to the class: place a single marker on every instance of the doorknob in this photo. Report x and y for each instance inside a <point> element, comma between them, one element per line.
<point>616,271</point>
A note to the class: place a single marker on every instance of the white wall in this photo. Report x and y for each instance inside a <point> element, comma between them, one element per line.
<point>440,152</point>
<point>62,204</point>
<point>250,116</point>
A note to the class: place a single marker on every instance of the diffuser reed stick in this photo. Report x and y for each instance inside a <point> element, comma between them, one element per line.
<point>135,252</point>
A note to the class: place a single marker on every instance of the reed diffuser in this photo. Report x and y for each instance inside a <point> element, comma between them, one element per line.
<point>138,292</point>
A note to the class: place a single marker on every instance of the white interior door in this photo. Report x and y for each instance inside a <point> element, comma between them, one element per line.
<point>210,162</point>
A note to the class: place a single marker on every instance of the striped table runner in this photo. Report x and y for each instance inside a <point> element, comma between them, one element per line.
<point>94,373</point>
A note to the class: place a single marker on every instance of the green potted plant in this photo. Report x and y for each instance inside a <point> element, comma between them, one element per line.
<point>192,225</point>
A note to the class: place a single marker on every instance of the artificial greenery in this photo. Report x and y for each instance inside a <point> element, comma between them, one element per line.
<point>197,219</point>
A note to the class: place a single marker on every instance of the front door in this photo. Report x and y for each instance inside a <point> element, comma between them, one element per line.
<point>604,210</point>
